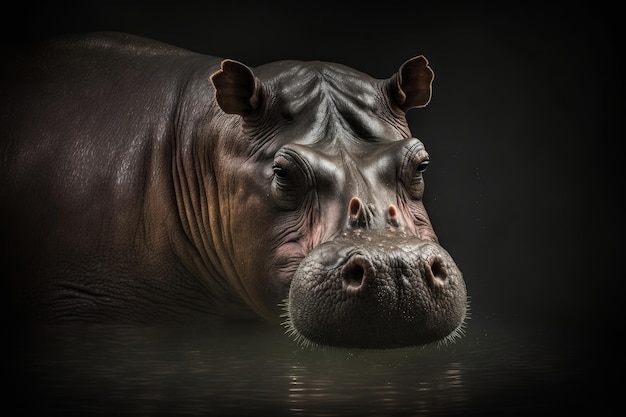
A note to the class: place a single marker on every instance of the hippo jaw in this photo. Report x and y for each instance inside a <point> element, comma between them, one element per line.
<point>376,290</point>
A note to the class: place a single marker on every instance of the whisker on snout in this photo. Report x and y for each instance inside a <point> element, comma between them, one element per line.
<point>290,330</point>
<point>460,331</point>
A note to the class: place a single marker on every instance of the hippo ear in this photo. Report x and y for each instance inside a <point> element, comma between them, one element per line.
<point>237,89</point>
<point>411,86</point>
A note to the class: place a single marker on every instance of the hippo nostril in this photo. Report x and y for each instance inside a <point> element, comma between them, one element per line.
<point>358,213</point>
<point>353,274</point>
<point>392,215</point>
<point>436,271</point>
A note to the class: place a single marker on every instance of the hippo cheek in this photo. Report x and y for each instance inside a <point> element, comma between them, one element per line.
<point>376,296</point>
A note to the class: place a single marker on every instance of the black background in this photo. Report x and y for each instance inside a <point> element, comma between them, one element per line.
<point>523,187</point>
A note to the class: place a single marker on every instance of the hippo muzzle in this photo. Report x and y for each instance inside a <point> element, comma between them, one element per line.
<point>377,289</point>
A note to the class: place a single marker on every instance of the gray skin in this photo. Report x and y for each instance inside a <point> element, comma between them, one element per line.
<point>144,183</point>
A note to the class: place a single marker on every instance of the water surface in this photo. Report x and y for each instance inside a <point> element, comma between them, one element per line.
<point>255,369</point>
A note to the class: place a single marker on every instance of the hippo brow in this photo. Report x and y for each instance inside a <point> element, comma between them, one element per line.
<point>327,86</point>
<point>339,99</point>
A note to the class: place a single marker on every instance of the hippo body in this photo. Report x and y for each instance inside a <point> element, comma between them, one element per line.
<point>142,182</point>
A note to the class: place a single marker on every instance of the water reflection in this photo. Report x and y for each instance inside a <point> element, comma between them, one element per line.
<point>392,383</point>
<point>254,369</point>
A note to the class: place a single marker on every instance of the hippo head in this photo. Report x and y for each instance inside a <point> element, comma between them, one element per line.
<point>332,227</point>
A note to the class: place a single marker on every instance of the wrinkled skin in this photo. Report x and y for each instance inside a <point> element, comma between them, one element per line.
<point>141,182</point>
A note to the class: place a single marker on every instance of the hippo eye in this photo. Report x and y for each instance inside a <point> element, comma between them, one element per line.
<point>422,166</point>
<point>415,162</point>
<point>289,182</point>
<point>280,171</point>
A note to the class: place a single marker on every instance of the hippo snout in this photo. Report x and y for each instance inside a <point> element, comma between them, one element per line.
<point>377,290</point>
<point>360,267</point>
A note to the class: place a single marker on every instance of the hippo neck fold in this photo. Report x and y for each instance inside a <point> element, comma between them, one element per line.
<point>201,216</point>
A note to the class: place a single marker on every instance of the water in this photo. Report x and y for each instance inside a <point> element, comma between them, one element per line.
<point>255,369</point>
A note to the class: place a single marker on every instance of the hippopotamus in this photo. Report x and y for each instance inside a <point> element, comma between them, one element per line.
<point>142,182</point>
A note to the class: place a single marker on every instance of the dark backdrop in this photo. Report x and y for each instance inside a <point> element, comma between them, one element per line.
<point>523,184</point>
